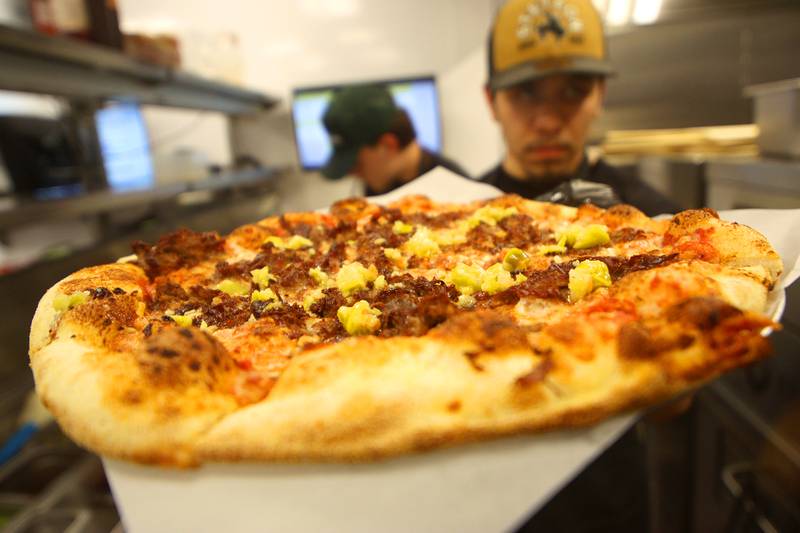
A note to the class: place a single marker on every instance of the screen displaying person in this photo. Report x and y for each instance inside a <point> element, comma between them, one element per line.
<point>374,139</point>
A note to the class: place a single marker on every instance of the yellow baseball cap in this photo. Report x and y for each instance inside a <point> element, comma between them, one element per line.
<point>530,39</point>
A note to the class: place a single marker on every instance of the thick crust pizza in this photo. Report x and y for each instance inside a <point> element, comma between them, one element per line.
<point>370,331</point>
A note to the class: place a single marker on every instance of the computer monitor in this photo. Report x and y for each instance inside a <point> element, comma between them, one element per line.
<point>417,96</point>
<point>125,146</point>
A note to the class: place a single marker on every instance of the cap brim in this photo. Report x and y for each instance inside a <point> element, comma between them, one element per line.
<point>532,71</point>
<point>340,164</point>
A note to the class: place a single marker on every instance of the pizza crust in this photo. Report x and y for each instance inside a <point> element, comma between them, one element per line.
<point>738,245</point>
<point>147,402</point>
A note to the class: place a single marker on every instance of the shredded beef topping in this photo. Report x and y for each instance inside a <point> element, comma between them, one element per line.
<point>226,311</point>
<point>329,304</point>
<point>440,220</point>
<point>408,305</point>
<point>484,238</point>
<point>620,267</point>
<point>329,330</point>
<point>182,248</point>
<point>333,258</point>
<point>413,306</point>
<point>290,316</point>
<point>225,270</point>
<point>552,282</point>
<point>520,231</point>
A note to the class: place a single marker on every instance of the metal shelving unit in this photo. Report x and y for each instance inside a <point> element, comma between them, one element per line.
<point>77,70</point>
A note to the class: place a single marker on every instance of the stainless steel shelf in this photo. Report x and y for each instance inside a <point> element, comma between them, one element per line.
<point>66,67</point>
<point>17,212</point>
<point>779,175</point>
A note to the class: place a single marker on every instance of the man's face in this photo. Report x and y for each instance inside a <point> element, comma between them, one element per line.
<point>377,164</point>
<point>545,123</point>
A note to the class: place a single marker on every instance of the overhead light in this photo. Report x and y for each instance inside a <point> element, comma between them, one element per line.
<point>601,6</point>
<point>282,48</point>
<point>357,36</point>
<point>619,12</point>
<point>646,11</point>
<point>334,8</point>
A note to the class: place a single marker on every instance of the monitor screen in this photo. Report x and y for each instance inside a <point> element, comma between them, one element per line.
<point>125,146</point>
<point>416,95</point>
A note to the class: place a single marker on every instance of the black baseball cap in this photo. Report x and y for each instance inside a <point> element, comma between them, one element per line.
<point>357,116</point>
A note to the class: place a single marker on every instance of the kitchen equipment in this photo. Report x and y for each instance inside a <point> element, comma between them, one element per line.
<point>777,114</point>
<point>39,154</point>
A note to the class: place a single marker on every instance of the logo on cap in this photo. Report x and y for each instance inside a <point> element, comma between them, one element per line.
<point>541,18</point>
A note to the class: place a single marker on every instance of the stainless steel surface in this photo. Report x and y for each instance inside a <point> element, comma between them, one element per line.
<point>14,212</point>
<point>66,67</point>
<point>691,70</point>
<point>762,183</point>
<point>75,500</point>
<point>680,178</point>
<point>777,112</point>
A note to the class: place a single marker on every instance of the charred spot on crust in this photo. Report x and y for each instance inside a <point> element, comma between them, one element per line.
<point>536,375</point>
<point>182,248</point>
<point>177,358</point>
<point>624,211</point>
<point>489,331</point>
<point>108,316</point>
<point>634,341</point>
<point>98,293</point>
<point>637,341</point>
<point>454,406</point>
<point>703,312</point>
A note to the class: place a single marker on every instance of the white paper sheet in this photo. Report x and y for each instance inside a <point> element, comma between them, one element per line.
<point>483,487</point>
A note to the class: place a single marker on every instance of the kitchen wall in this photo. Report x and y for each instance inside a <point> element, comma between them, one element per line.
<point>286,44</point>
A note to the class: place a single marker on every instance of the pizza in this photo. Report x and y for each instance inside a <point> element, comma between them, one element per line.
<point>370,331</point>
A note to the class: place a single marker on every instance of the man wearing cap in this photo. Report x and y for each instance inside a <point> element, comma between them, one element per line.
<point>547,68</point>
<point>375,140</point>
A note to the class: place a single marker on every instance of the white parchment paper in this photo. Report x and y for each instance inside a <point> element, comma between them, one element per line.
<point>483,487</point>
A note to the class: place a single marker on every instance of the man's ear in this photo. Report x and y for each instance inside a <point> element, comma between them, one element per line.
<point>601,86</point>
<point>490,96</point>
<point>601,97</point>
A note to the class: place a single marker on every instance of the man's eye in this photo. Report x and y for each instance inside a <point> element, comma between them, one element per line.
<point>575,93</point>
<point>526,95</point>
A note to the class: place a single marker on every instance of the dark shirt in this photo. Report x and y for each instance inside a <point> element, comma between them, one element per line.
<point>428,161</point>
<point>600,184</point>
